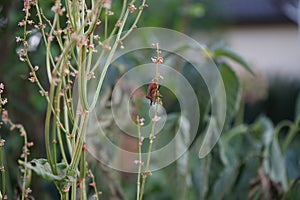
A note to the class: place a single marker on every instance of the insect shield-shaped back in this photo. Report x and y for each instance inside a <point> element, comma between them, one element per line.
<point>153,92</point>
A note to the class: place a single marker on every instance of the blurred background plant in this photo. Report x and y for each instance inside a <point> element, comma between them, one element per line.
<point>257,156</point>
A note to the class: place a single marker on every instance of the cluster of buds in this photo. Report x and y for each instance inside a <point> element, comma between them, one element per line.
<point>110,13</point>
<point>155,118</point>
<point>43,93</point>
<point>94,185</point>
<point>90,75</point>
<point>27,193</point>
<point>138,162</point>
<point>1,88</point>
<point>152,137</point>
<point>157,59</point>
<point>131,8</point>
<point>143,6</point>
<point>2,142</point>
<point>81,40</point>
<point>147,172</point>
<point>3,101</point>
<point>25,152</point>
<point>106,47</point>
<point>91,47</point>
<point>119,23</point>
<point>31,77</point>
<point>28,4</point>
<point>2,169</point>
<point>57,9</point>
<point>107,4</point>
<point>21,54</point>
<point>141,141</point>
<point>141,121</point>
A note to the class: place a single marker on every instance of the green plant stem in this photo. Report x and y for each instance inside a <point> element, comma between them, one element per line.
<point>82,176</point>
<point>25,169</point>
<point>107,63</point>
<point>65,196</point>
<point>120,18</point>
<point>151,137</point>
<point>25,151</point>
<point>82,79</point>
<point>95,188</point>
<point>57,128</point>
<point>135,21</point>
<point>69,12</point>
<point>66,122</point>
<point>140,159</point>
<point>106,24</point>
<point>47,130</point>
<point>2,170</point>
<point>48,54</point>
<point>73,190</point>
<point>79,142</point>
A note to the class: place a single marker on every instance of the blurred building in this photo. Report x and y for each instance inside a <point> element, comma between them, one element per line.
<point>265,33</point>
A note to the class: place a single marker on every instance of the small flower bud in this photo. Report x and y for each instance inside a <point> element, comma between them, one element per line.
<point>2,142</point>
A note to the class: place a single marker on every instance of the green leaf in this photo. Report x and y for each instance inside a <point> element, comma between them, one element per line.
<point>221,52</point>
<point>210,138</point>
<point>182,165</point>
<point>229,144</point>
<point>217,119</point>
<point>273,162</point>
<point>225,182</point>
<point>233,91</point>
<point>42,168</point>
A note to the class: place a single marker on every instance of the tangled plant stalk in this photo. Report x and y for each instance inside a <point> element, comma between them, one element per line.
<point>25,172</point>
<point>72,29</point>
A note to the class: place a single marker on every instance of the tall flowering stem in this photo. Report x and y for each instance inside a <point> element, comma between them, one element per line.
<point>140,122</point>
<point>25,190</point>
<point>2,143</point>
<point>66,123</point>
<point>156,97</point>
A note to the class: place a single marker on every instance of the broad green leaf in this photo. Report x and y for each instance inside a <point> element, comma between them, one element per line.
<point>291,158</point>
<point>42,168</point>
<point>205,172</point>
<point>210,138</point>
<point>233,91</point>
<point>182,144</point>
<point>221,52</point>
<point>183,180</point>
<point>217,119</point>
<point>228,152</point>
<point>225,182</point>
<point>273,162</point>
<point>200,88</point>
